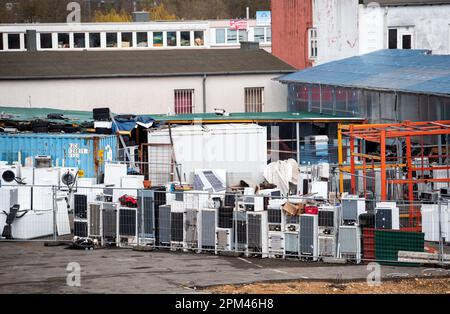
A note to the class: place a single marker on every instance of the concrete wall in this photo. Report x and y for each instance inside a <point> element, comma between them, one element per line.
<point>429,25</point>
<point>141,95</point>
<point>336,22</point>
<point>290,22</point>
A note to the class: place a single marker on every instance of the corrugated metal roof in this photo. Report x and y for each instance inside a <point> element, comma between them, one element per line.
<point>411,71</point>
<point>253,117</point>
<point>145,63</point>
<point>29,114</point>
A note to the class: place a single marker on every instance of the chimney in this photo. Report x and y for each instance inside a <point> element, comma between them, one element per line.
<point>249,45</point>
<point>31,40</point>
<point>141,16</point>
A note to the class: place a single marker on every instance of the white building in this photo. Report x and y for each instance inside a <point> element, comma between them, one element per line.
<point>136,35</point>
<point>346,28</point>
<point>145,81</point>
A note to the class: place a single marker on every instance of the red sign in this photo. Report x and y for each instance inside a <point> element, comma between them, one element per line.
<point>238,24</point>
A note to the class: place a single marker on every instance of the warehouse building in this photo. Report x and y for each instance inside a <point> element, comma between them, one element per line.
<point>147,81</point>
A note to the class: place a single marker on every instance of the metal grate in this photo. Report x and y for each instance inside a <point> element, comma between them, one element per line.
<point>127,222</point>
<point>94,220</point>
<point>80,206</point>
<point>163,231</point>
<point>184,101</point>
<point>254,99</point>
<point>176,227</point>
<point>225,219</point>
<point>161,167</point>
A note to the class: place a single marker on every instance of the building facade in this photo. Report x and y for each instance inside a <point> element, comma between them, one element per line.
<point>313,32</point>
<point>145,82</point>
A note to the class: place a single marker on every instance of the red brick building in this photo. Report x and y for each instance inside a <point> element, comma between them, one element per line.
<point>291,20</point>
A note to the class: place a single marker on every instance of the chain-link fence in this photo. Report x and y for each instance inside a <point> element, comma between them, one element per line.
<point>269,226</point>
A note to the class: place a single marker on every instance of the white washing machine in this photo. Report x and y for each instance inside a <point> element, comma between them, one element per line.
<point>9,175</point>
<point>67,178</point>
<point>44,180</point>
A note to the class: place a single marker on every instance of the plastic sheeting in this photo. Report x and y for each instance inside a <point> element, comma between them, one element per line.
<point>128,123</point>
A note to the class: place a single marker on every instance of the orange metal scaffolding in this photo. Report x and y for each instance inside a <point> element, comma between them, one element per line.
<point>380,133</point>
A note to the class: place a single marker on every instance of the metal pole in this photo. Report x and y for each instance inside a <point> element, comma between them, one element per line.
<point>298,142</point>
<point>383,165</point>
<point>441,241</point>
<point>55,231</point>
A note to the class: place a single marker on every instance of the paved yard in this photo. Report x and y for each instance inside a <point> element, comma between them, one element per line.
<point>34,268</point>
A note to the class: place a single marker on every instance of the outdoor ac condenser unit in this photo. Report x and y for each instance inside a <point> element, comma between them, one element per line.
<point>224,238</point>
<point>109,223</point>
<point>275,218</point>
<point>94,217</point>
<point>240,229</point>
<point>127,226</point>
<point>387,216</point>
<point>176,230</point>
<point>328,219</point>
<point>309,236</point>
<point>191,229</point>
<point>327,246</point>
<point>207,232</point>
<point>291,244</point>
<point>146,216</point>
<point>257,234</point>
<point>164,229</point>
<point>276,244</point>
<point>352,206</point>
<point>349,243</point>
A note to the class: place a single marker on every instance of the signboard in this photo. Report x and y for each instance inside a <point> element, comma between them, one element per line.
<point>263,18</point>
<point>75,151</point>
<point>238,24</point>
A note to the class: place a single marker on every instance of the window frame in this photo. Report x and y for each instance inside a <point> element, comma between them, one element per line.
<point>178,94</point>
<point>313,50</point>
<point>254,93</point>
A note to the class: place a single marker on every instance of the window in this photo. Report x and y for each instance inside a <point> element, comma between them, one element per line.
<point>231,36</point>
<point>172,39</point>
<point>312,43</point>
<point>254,99</point>
<point>259,34</point>
<point>142,39</point>
<point>63,40</point>
<point>243,35</point>
<point>158,39</point>
<point>184,99</point>
<point>94,40</point>
<point>111,40</point>
<point>127,40</point>
<point>199,38</point>
<point>185,39</point>
<point>220,36</point>
<point>46,41</point>
<point>393,38</point>
<point>13,41</point>
<point>79,40</point>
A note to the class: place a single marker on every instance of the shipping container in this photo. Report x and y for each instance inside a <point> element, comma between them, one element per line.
<point>88,152</point>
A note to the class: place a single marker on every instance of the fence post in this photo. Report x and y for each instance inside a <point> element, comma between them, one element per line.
<point>55,208</point>
<point>441,240</point>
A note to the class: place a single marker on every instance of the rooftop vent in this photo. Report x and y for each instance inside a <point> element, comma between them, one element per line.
<point>249,45</point>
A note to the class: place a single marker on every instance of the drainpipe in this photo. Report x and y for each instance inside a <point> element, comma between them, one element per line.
<point>204,93</point>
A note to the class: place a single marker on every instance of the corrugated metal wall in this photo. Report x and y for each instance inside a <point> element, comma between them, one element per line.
<point>290,22</point>
<point>84,151</point>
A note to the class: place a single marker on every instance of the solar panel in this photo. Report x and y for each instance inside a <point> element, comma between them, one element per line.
<point>215,182</point>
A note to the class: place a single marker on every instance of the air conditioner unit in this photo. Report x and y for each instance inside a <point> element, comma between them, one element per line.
<point>327,246</point>
<point>349,243</point>
<point>257,234</point>
<point>80,228</point>
<point>240,231</point>
<point>276,244</point>
<point>309,236</point>
<point>146,216</point>
<point>109,223</point>
<point>431,220</point>
<point>127,226</point>
<point>207,232</point>
<point>275,218</point>
<point>291,244</point>
<point>225,217</point>
<point>224,240</point>
<point>387,216</point>
<point>44,181</point>
<point>163,231</point>
<point>352,206</point>
<point>176,230</point>
<point>328,219</point>
<point>94,218</point>
<point>67,178</point>
<point>191,229</point>
<point>80,206</point>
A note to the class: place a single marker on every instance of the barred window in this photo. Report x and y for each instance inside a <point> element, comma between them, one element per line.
<point>254,99</point>
<point>184,101</point>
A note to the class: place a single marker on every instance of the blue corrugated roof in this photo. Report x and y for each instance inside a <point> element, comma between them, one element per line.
<point>411,71</point>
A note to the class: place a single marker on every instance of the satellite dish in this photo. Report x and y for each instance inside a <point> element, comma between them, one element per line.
<point>8,176</point>
<point>68,178</point>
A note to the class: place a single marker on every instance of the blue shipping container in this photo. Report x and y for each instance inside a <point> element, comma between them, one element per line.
<point>85,151</point>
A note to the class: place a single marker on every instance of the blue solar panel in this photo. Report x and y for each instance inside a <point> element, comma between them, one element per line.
<point>413,71</point>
